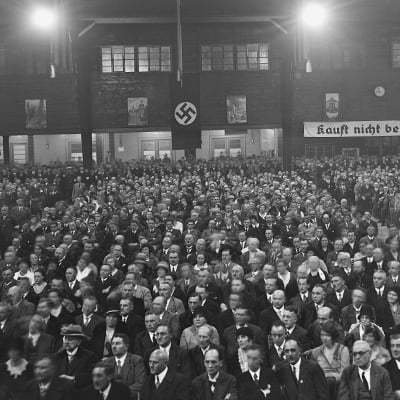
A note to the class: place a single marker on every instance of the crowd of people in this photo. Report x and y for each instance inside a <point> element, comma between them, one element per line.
<point>227,279</point>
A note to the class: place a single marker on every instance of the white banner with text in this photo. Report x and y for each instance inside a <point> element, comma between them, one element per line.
<point>351,129</point>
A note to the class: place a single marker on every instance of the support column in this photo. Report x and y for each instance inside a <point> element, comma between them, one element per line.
<point>31,150</point>
<point>111,146</point>
<point>6,150</point>
<point>84,58</point>
<point>287,99</point>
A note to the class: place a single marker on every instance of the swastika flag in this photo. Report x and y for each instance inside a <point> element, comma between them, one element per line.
<point>185,112</point>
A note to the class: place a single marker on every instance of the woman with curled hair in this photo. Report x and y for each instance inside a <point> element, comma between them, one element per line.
<point>331,356</point>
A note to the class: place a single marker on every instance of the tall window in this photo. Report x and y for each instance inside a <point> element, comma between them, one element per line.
<point>243,57</point>
<point>396,54</point>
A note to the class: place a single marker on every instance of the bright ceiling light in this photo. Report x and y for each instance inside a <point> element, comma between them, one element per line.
<point>44,19</point>
<point>314,15</point>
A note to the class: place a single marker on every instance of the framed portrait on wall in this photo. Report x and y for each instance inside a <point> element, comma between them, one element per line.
<point>138,111</point>
<point>35,114</point>
<point>236,109</point>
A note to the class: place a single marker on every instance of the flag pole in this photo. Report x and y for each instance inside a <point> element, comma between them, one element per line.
<point>179,42</point>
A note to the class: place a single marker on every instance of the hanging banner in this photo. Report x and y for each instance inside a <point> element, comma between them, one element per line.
<point>185,112</point>
<point>345,129</point>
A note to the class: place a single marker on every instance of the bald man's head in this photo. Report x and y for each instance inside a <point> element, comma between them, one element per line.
<point>158,361</point>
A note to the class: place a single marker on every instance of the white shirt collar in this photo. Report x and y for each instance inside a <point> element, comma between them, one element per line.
<point>106,391</point>
<point>257,373</point>
<point>367,373</point>
<point>397,363</point>
<point>121,359</point>
<point>73,352</point>
<point>167,348</point>
<point>161,375</point>
<point>213,379</point>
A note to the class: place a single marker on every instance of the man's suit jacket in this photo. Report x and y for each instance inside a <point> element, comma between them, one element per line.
<point>390,283</point>
<point>266,318</point>
<point>132,374</point>
<point>225,385</point>
<point>351,250</point>
<point>143,343</point>
<point>300,335</point>
<point>299,304</point>
<point>24,309</point>
<point>175,386</point>
<point>229,337</point>
<point>95,332</point>
<point>175,306</point>
<point>310,313</point>
<point>132,327</point>
<point>380,386</point>
<point>80,367</point>
<point>272,357</point>
<point>44,345</point>
<point>394,374</point>
<point>346,299</point>
<point>59,389</point>
<point>181,285</point>
<point>197,359</point>
<point>118,391</point>
<point>178,360</point>
<point>311,385</point>
<point>248,389</point>
<point>172,320</point>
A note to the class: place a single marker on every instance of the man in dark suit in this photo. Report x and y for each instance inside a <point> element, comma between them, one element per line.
<point>363,379</point>
<point>318,301</point>
<point>103,386</point>
<point>340,296</point>
<point>36,342</point>
<point>393,365</point>
<point>166,317</point>
<point>349,314</point>
<point>259,382</point>
<point>93,325</point>
<point>300,379</point>
<point>329,229</point>
<point>241,317</point>
<point>164,383</point>
<point>128,368</point>
<point>20,307</point>
<point>186,319</point>
<point>275,353</point>
<point>46,385</point>
<point>274,312</point>
<point>130,323</point>
<point>105,284</point>
<point>214,384</point>
<point>73,361</point>
<point>8,329</point>
<point>178,357</point>
<point>51,325</point>
<point>196,354</point>
<point>303,297</point>
<point>293,330</point>
<point>146,340</point>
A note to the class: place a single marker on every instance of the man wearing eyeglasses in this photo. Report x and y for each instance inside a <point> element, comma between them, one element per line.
<point>364,380</point>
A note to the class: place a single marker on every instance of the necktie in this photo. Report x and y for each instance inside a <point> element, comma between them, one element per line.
<point>157,382</point>
<point>255,377</point>
<point>70,358</point>
<point>294,373</point>
<point>365,382</point>
<point>304,297</point>
<point>119,369</point>
<point>102,395</point>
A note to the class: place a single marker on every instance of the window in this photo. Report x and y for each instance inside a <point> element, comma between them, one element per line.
<point>396,54</point>
<point>246,57</point>
<point>252,57</point>
<point>156,149</point>
<point>318,151</point>
<point>217,58</point>
<point>154,58</point>
<point>133,58</point>
<point>75,152</point>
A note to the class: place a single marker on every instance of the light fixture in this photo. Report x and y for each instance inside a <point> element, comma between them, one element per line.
<point>314,15</point>
<point>43,18</point>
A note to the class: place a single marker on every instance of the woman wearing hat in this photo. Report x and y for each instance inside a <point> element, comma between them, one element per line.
<point>189,338</point>
<point>332,356</point>
<point>16,371</point>
<point>379,354</point>
<point>237,362</point>
<point>356,331</point>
